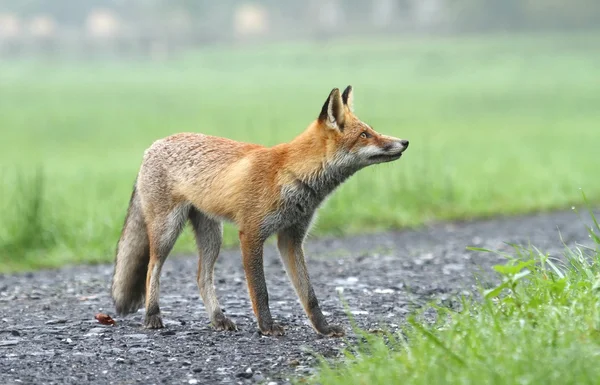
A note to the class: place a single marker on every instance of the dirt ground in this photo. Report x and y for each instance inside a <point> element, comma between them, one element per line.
<point>48,334</point>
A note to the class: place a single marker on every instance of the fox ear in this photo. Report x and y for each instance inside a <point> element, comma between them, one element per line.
<point>332,113</point>
<point>348,98</point>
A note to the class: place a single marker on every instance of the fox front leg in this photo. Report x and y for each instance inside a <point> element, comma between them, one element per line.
<point>289,242</point>
<point>252,257</point>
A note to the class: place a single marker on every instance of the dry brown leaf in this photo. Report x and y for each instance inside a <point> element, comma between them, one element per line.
<point>105,319</point>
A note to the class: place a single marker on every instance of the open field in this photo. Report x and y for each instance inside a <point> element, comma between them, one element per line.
<point>497,125</point>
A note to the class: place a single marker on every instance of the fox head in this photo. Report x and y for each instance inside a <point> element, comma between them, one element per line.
<point>351,142</point>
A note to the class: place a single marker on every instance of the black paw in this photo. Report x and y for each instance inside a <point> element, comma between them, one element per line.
<point>272,329</point>
<point>222,323</point>
<point>332,331</point>
<point>153,322</point>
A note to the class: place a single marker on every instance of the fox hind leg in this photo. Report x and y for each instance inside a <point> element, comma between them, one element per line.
<point>209,237</point>
<point>163,229</point>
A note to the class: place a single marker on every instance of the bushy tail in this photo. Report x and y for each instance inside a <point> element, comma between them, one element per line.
<point>131,262</point>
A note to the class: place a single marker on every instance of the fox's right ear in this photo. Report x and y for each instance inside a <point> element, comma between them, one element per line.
<point>332,113</point>
<point>348,98</point>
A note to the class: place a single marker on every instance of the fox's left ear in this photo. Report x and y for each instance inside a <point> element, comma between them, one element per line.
<point>332,113</point>
<point>348,98</point>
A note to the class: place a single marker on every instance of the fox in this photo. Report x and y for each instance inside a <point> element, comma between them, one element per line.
<point>205,180</point>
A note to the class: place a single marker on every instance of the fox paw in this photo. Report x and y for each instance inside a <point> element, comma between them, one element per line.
<point>332,331</point>
<point>272,329</point>
<point>153,322</point>
<point>222,323</point>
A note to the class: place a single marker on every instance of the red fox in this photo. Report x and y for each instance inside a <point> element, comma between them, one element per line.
<point>207,179</point>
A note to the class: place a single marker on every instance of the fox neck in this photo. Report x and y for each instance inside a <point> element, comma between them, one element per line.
<point>328,178</point>
<point>316,166</point>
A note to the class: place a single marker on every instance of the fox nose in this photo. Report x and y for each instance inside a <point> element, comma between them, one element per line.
<point>404,142</point>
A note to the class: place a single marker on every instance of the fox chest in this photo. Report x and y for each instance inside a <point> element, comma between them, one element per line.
<point>297,206</point>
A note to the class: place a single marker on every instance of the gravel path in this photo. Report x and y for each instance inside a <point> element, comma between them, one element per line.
<point>48,333</point>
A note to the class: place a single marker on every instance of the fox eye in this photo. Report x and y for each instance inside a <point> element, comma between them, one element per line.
<point>365,135</point>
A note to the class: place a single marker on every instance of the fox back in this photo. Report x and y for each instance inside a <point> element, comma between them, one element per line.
<point>241,182</point>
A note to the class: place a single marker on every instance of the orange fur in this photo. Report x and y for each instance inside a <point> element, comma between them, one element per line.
<point>263,190</point>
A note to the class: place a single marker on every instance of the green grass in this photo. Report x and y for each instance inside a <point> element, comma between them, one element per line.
<point>497,125</point>
<point>541,325</point>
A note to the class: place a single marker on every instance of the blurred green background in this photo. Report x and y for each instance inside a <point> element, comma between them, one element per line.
<point>501,104</point>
